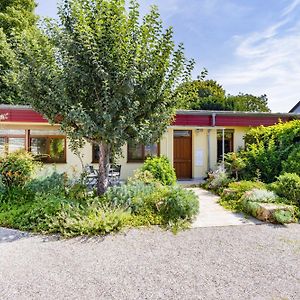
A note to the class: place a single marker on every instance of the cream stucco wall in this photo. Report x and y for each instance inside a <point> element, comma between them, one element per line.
<point>204,150</point>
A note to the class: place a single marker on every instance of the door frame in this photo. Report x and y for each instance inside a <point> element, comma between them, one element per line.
<point>191,152</point>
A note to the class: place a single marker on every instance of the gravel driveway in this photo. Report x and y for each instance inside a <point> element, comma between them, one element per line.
<point>240,262</point>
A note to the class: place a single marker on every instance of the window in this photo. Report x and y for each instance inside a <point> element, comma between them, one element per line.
<point>228,142</point>
<point>49,149</point>
<point>12,140</point>
<point>95,158</point>
<point>2,145</point>
<point>138,153</point>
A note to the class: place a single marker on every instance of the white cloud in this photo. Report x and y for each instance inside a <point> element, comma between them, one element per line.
<point>290,8</point>
<point>268,62</point>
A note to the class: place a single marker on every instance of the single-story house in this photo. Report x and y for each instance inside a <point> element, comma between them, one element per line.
<point>194,143</point>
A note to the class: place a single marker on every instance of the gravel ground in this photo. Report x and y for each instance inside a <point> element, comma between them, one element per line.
<point>240,262</point>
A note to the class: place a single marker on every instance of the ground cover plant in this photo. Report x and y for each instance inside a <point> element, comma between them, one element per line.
<point>231,197</point>
<point>55,204</point>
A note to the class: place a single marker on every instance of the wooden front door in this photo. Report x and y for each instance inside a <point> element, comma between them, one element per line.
<point>183,153</point>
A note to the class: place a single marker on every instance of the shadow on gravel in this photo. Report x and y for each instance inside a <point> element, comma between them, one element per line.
<point>11,235</point>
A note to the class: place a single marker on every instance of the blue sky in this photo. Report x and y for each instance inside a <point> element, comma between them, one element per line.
<point>247,46</point>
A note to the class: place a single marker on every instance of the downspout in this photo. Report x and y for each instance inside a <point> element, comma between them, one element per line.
<point>223,148</point>
<point>208,149</point>
<point>213,124</point>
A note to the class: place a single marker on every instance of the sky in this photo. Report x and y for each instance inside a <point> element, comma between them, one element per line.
<point>247,46</point>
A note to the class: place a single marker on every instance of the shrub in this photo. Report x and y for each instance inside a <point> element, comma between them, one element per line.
<point>292,164</point>
<point>218,179</point>
<point>288,186</point>
<point>143,176</point>
<point>251,208</point>
<point>269,148</point>
<point>154,203</point>
<point>161,169</point>
<point>51,183</point>
<point>260,196</point>
<point>129,196</point>
<point>93,219</point>
<point>17,168</point>
<point>178,205</point>
<point>231,197</point>
<point>234,164</point>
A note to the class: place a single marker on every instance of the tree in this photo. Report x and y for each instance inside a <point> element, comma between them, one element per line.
<point>204,94</point>
<point>110,78</point>
<point>16,18</point>
<point>201,94</point>
<point>248,102</point>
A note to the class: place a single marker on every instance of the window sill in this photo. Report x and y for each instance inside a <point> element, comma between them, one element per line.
<point>53,162</point>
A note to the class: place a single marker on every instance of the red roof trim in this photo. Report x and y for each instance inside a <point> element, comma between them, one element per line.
<point>222,120</point>
<point>27,115</point>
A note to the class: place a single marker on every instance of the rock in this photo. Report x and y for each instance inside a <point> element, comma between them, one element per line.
<point>265,211</point>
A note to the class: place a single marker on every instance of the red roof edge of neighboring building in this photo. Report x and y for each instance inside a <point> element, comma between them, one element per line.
<point>20,114</point>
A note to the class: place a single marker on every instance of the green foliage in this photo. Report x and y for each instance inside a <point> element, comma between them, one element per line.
<point>17,168</point>
<point>52,205</point>
<point>234,164</point>
<point>231,198</point>
<point>130,195</point>
<point>271,149</point>
<point>110,77</point>
<point>161,169</point>
<point>17,15</point>
<point>18,23</point>
<point>178,204</point>
<point>209,95</point>
<point>217,180</point>
<point>283,216</point>
<point>143,176</point>
<point>260,196</point>
<point>292,164</point>
<point>248,102</point>
<point>48,184</point>
<point>251,208</point>
<point>288,186</point>
<point>279,215</point>
<point>201,94</point>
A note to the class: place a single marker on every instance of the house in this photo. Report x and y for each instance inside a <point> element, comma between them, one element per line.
<point>194,143</point>
<point>296,109</point>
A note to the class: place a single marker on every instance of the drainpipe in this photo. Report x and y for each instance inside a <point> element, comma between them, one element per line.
<point>214,119</point>
<point>223,148</point>
<point>208,149</point>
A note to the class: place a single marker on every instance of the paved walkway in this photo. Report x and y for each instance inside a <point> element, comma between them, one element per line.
<point>213,214</point>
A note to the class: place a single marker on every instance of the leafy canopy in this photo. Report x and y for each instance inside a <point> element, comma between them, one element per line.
<point>110,77</point>
<point>17,15</point>
<point>17,21</point>
<point>204,94</point>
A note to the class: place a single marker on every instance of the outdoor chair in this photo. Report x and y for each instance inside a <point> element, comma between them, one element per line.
<point>114,174</point>
<point>91,177</point>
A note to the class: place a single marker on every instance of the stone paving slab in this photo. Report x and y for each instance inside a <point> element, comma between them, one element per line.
<point>213,214</point>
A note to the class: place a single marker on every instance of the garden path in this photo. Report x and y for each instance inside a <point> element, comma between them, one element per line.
<point>213,214</point>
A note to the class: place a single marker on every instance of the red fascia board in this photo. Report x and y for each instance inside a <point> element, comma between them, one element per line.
<point>248,121</point>
<point>238,121</point>
<point>22,116</point>
<point>192,120</point>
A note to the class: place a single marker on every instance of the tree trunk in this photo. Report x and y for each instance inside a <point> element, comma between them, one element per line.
<point>103,168</point>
